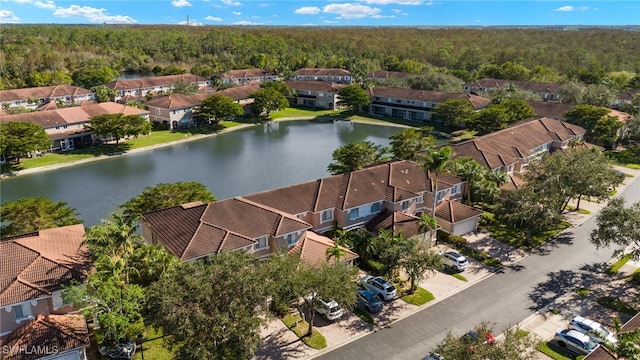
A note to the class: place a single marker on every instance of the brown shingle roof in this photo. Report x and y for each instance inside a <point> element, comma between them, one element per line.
<point>72,115</point>
<point>149,82</point>
<point>453,211</point>
<point>42,92</point>
<point>34,265</point>
<point>476,101</point>
<point>312,249</point>
<point>54,333</point>
<point>551,109</point>
<point>396,222</point>
<point>322,86</point>
<point>239,92</point>
<point>177,101</point>
<point>504,147</point>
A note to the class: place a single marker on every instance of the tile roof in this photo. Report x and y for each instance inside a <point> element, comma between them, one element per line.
<point>149,82</point>
<point>322,86</point>
<point>395,221</point>
<point>476,101</point>
<point>34,265</point>
<point>42,92</point>
<point>244,73</point>
<point>54,334</point>
<point>73,115</point>
<point>180,101</point>
<point>551,109</point>
<point>538,87</point>
<point>239,92</point>
<point>453,211</point>
<point>506,146</point>
<point>312,249</point>
<point>322,72</point>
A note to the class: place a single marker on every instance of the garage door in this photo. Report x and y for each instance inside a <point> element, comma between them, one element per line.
<point>465,227</point>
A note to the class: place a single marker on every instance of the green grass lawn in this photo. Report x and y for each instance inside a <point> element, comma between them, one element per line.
<point>420,297</point>
<point>516,237</point>
<point>555,352</point>
<point>295,112</point>
<point>618,264</point>
<point>459,277</point>
<point>295,323</point>
<point>579,211</point>
<point>153,347</point>
<point>365,316</point>
<point>628,158</point>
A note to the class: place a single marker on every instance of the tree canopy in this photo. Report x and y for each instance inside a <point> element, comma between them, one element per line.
<point>20,138</point>
<point>219,107</point>
<point>453,112</point>
<point>355,156</point>
<point>119,125</point>
<point>353,96</point>
<point>410,142</point>
<point>268,100</point>
<point>619,225</point>
<point>31,214</point>
<point>163,196</point>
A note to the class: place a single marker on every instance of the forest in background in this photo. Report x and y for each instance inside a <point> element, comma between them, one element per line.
<point>40,55</point>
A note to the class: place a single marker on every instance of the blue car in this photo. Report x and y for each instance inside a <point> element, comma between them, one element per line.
<point>369,301</point>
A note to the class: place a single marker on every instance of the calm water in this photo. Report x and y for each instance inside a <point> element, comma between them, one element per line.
<point>236,163</point>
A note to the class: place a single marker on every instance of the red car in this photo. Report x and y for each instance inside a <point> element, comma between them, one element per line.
<point>473,339</point>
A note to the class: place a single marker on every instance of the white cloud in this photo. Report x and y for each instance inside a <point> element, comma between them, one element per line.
<point>7,17</point>
<point>237,13</point>
<point>180,3</point>
<point>93,15</point>
<point>231,3</point>
<point>191,23</point>
<point>389,2</point>
<point>383,16</point>
<point>213,18</point>
<point>583,8</point>
<point>49,4</point>
<point>564,8</point>
<point>307,10</point>
<point>244,22</point>
<point>351,11</point>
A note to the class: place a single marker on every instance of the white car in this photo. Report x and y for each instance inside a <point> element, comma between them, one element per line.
<point>593,329</point>
<point>379,286</point>
<point>330,310</point>
<point>454,261</point>
<point>575,341</point>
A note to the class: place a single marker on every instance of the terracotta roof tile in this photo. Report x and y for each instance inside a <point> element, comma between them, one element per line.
<point>175,227</point>
<point>312,249</point>
<point>149,82</point>
<point>397,222</point>
<point>453,211</point>
<point>244,73</point>
<point>42,92</point>
<point>34,265</point>
<point>55,333</point>
<point>551,109</point>
<point>72,115</point>
<point>295,199</point>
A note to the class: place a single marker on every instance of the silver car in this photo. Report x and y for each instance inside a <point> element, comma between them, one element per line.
<point>592,329</point>
<point>575,341</point>
<point>379,286</point>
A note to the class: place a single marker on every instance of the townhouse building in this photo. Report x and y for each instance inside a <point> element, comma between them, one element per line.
<point>36,319</point>
<point>35,97</point>
<point>546,91</point>
<point>331,75</point>
<point>157,85</point>
<point>315,94</point>
<point>247,76</point>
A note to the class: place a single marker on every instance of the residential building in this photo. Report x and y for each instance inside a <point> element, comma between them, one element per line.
<point>510,150</point>
<point>546,91</point>
<point>269,221</point>
<point>312,249</point>
<point>628,97</point>
<point>178,110</point>
<point>383,75</point>
<point>247,76</point>
<point>315,94</point>
<point>66,126</point>
<point>35,97</point>
<point>36,320</point>
<point>331,75</point>
<point>157,85</point>
<point>602,353</point>
<point>416,105</point>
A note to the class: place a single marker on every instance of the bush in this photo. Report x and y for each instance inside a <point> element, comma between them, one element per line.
<point>454,240</point>
<point>373,266</point>
<point>486,219</point>
<point>157,126</point>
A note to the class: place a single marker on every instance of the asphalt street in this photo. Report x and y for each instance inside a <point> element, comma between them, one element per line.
<point>504,299</point>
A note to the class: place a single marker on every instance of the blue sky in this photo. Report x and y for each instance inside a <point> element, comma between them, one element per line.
<point>323,12</point>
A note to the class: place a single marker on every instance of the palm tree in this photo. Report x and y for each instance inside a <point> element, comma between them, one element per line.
<point>435,161</point>
<point>470,170</point>
<point>427,223</point>
<point>337,252</point>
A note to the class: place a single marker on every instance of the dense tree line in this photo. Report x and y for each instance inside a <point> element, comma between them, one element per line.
<point>37,55</point>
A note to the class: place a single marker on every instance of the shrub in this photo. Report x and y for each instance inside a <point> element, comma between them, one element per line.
<point>486,219</point>
<point>156,126</point>
<point>373,266</point>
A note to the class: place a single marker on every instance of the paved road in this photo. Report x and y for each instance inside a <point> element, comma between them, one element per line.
<point>505,298</point>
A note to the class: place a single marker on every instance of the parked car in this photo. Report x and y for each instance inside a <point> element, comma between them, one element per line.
<point>575,341</point>
<point>473,339</point>
<point>433,356</point>
<point>330,310</point>
<point>369,301</point>
<point>592,329</point>
<point>379,286</point>
<point>455,261</point>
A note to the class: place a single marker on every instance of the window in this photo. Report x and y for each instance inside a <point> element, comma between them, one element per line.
<point>440,195</point>
<point>59,299</point>
<point>327,215</point>
<point>405,205</point>
<point>375,207</point>
<point>320,94</point>
<point>420,200</point>
<point>22,311</point>
<point>456,189</point>
<point>354,214</point>
<point>261,244</point>
<point>291,239</point>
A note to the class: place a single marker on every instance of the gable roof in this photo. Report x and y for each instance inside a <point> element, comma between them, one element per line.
<point>59,332</point>
<point>43,92</point>
<point>538,87</point>
<point>476,101</point>
<point>322,86</point>
<point>72,115</point>
<point>396,222</point>
<point>551,109</point>
<point>322,72</point>
<point>506,146</point>
<point>453,211</point>
<point>34,265</point>
<point>244,73</point>
<point>181,101</point>
<point>312,249</point>
<point>149,82</point>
